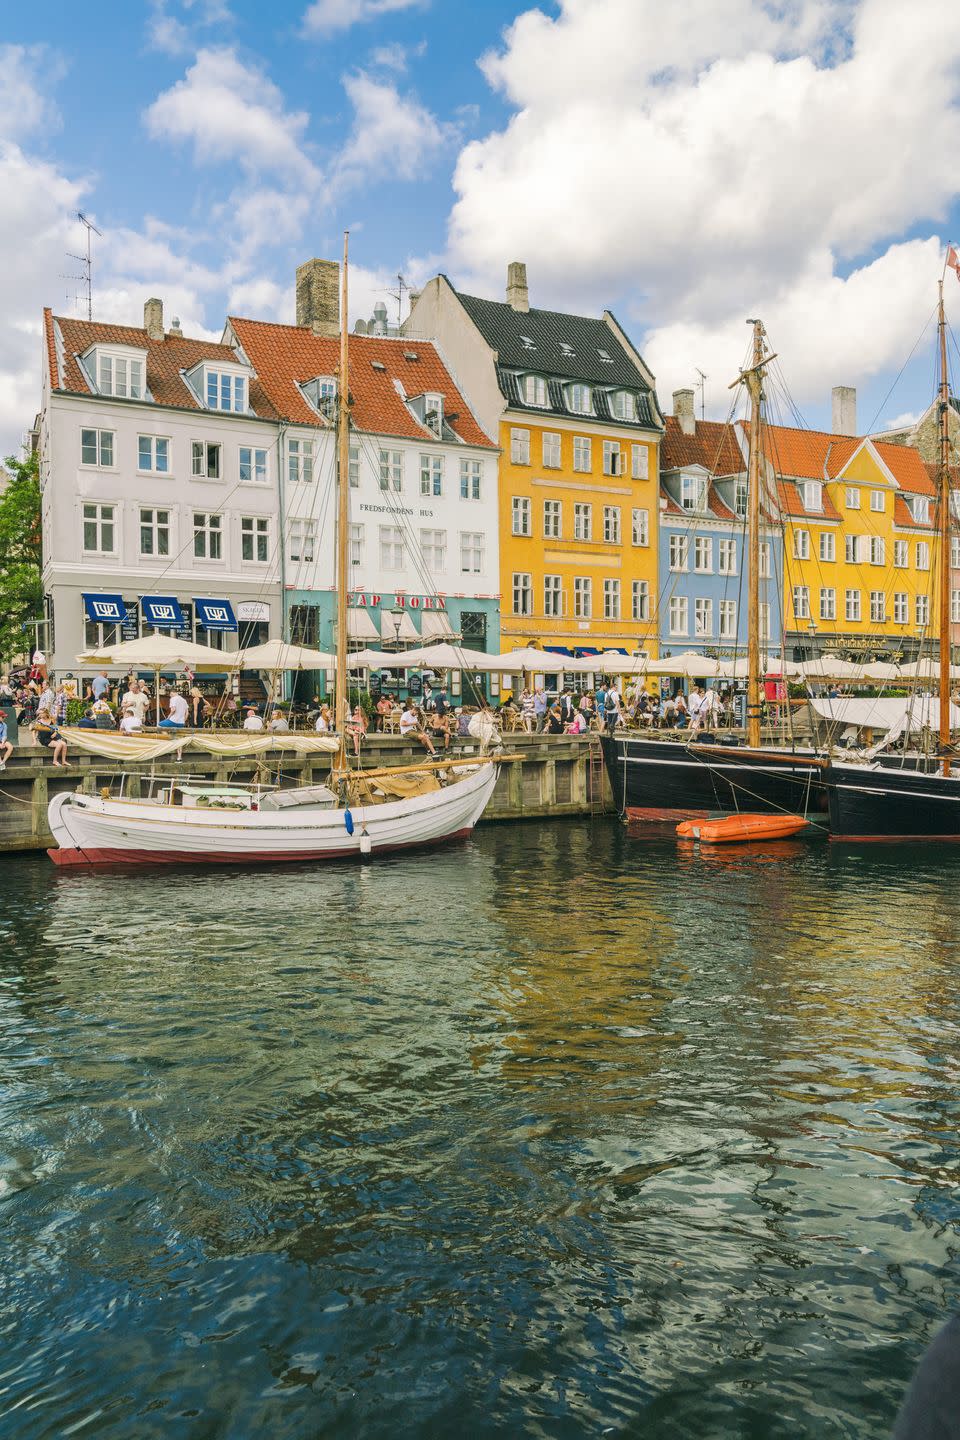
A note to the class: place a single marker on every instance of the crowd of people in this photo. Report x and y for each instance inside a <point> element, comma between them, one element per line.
<point>607,708</point>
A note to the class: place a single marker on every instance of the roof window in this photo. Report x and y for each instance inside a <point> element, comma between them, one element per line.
<point>410,355</point>
<point>322,394</point>
<point>377,365</point>
<point>605,357</point>
<point>624,405</point>
<point>535,390</point>
<point>527,343</point>
<point>579,399</point>
<point>566,349</point>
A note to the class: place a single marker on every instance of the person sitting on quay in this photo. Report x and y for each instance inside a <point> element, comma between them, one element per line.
<point>177,712</point>
<point>279,724</point>
<point>130,722</point>
<point>357,727</point>
<point>411,728</point>
<point>253,720</point>
<point>554,720</point>
<point>102,714</point>
<point>578,725</point>
<point>45,729</point>
<point>6,749</point>
<point>324,722</point>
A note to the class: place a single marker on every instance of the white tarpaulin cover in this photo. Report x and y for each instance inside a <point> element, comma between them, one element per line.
<point>894,713</point>
<point>151,747</point>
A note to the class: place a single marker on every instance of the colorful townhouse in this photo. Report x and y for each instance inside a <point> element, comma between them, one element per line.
<point>573,407</point>
<point>702,601</point>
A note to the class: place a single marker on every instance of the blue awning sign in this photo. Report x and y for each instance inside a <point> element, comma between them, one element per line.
<point>215,614</point>
<point>162,610</point>
<point>104,609</point>
<point>558,650</point>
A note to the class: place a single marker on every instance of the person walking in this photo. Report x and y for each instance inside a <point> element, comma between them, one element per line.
<point>540,707</point>
<point>528,714</point>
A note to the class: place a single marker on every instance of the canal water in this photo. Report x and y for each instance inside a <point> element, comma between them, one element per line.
<point>560,1133</point>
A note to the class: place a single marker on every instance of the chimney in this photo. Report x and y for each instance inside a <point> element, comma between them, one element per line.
<point>517,297</point>
<point>844,410</point>
<point>318,297</point>
<point>683,411</point>
<point>175,330</point>
<point>153,318</point>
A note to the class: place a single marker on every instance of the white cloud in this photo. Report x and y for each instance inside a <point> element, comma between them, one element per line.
<point>391,133</point>
<point>395,56</point>
<point>28,73</point>
<point>233,112</point>
<point>696,163</point>
<point>174,33</point>
<point>324,17</point>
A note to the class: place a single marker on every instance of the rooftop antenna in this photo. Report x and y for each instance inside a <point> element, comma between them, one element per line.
<point>702,382</point>
<point>86,274</point>
<point>398,296</point>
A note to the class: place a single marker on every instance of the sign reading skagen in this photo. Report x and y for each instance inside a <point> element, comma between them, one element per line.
<point>361,600</point>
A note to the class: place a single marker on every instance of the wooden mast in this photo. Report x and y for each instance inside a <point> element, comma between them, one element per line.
<point>754,381</point>
<point>343,513</point>
<point>944,408</point>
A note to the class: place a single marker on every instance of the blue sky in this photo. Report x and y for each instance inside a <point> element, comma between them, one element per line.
<point>217,143</point>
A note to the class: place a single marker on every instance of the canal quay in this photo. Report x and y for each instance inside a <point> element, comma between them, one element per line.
<point>564,1131</point>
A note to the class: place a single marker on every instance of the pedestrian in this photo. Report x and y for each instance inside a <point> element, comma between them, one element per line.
<point>100,685</point>
<point>47,696</point>
<point>566,707</point>
<point>540,707</point>
<point>198,707</point>
<point>59,710</point>
<point>38,666</point>
<point>696,707</point>
<point>611,708</point>
<point>357,727</point>
<point>528,715</point>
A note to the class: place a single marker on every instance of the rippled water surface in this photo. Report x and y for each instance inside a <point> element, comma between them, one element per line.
<point>560,1133</point>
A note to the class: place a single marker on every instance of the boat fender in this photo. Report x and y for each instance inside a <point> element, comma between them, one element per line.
<point>348,821</point>
<point>366,844</point>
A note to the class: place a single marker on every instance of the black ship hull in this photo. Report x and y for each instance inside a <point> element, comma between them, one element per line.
<point>670,780</point>
<point>888,804</point>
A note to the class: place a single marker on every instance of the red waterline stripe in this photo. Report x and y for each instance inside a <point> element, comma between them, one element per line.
<point>69,858</point>
<point>654,812</point>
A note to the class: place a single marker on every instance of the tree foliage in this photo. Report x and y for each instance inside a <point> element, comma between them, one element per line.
<point>21,561</point>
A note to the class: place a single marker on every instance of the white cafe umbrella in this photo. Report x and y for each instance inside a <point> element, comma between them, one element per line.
<point>830,667</point>
<point>161,652</point>
<point>281,655</point>
<point>690,665</point>
<point>739,668</point>
<point>518,662</point>
<point>882,670</point>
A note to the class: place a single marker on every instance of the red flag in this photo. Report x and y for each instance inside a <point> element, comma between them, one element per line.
<point>953,260</point>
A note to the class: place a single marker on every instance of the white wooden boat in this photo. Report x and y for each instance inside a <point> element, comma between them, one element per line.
<point>193,823</point>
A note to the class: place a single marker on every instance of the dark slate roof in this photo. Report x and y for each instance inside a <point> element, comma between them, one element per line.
<point>511,388</point>
<point>561,348</point>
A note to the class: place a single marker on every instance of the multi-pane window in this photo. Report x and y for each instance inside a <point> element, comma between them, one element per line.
<point>582,453</point>
<point>207,536</point>
<point>535,390</point>
<point>852,549</point>
<point>471,552</point>
<point>679,615</point>
<point>431,474</point>
<point>853,604</point>
<point>703,617</point>
<point>153,454</point>
<point>878,607</point>
<point>877,548</point>
<point>679,552</point>
<point>391,547</point>
<point>470,474</point>
<point>611,599</point>
<point>611,524</point>
<point>624,405</point>
<point>877,500</point>
<point>355,544</point>
<point>305,625</point>
<point>640,527</point>
<point>96,447</point>
<point>801,602</point>
<point>955,607</point>
<point>391,469</point>
<point>801,544</point>
<point>551,450</point>
<point>828,545</point>
<point>727,557</point>
<point>99,529</point>
<point>901,607</point>
<point>154,532</point>
<point>253,465</point>
<point>303,539</point>
<point>520,447</point>
<point>579,399</point>
<point>205,460</point>
<point>520,512</point>
<point>828,603</point>
<point>923,555</point>
<point>583,596</point>
<point>703,555</point>
<point>612,460</point>
<point>522,593</point>
<point>118,375</point>
<point>728,619</point>
<point>353,467</point>
<point>853,498</point>
<point>923,609</point>
<point>640,602</point>
<point>553,595</point>
<point>255,538</point>
<point>433,548</point>
<point>639,462</point>
<point>811,494</point>
<point>226,392</point>
<point>582,522</point>
<point>299,460</point>
<point>765,560</point>
<point>552,519</point>
<point>919,507</point>
<point>693,492</point>
<point>740,498</point>
<point>764,617</point>
<point>954,551</point>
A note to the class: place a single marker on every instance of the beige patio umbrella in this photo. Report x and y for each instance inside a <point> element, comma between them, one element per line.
<point>163,652</point>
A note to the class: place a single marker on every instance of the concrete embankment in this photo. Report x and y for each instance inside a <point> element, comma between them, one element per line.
<point>556,775</point>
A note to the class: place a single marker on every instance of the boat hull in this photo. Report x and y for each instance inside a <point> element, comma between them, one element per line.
<point>886,804</point>
<point>668,780</point>
<point>738,829</point>
<point>90,830</point>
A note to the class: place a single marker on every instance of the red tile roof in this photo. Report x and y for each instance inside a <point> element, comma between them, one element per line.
<point>792,506</point>
<point>712,445</point>
<point>819,455</point>
<point>166,358</point>
<point>903,517</point>
<point>285,355</point>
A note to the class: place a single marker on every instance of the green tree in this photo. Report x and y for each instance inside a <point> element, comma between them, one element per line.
<point>21,583</point>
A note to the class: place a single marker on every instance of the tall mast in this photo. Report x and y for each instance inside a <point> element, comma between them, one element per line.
<point>754,380</point>
<point>944,407</point>
<point>343,511</point>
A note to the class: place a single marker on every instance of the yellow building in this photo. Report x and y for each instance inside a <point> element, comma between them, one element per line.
<point>861,553</point>
<point>572,406</point>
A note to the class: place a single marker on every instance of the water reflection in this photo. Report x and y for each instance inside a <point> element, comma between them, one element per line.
<point>560,1132</point>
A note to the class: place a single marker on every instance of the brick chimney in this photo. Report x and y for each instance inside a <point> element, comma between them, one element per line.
<point>153,318</point>
<point>683,411</point>
<point>318,297</point>
<point>844,399</point>
<point>517,297</point>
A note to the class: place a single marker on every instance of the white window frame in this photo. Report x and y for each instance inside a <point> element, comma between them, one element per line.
<point>552,519</point>
<point>639,462</point>
<point>209,534</point>
<point>433,548</point>
<point>679,615</point>
<point>878,550</point>
<point>201,454</point>
<point>811,495</point>
<point>611,524</point>
<point>852,607</point>
<point>256,465</point>
<point>583,597</point>
<point>155,526</point>
<point>551,450</point>
<point>703,555</point>
<point>878,501</point>
<point>801,544</point>
<point>640,526</point>
<point>624,405</point>
<point>852,497</point>
<point>392,548</point>
<point>612,458</point>
<point>727,620</point>
<point>535,391</point>
<point>471,479</point>
<point>693,493</point>
<point>828,602</point>
<point>471,552</point>
<point>132,365</point>
<point>224,385</point>
<point>611,599</point>
<point>302,546</point>
<point>152,444</point>
<point>878,607</point>
<point>828,547</point>
<point>901,607</point>
<point>105,441</point>
<point>431,475</point>
<point>355,544</point>
<point>553,596</point>
<point>922,610</point>
<point>522,592</point>
<point>640,600</point>
<point>583,454</point>
<point>582,521</point>
<point>520,516</point>
<point>390,475</point>
<point>256,530</point>
<point>106,516</point>
<point>764,560</point>
<point>300,459</point>
<point>923,555</point>
<point>519,446</point>
<point>579,398</point>
<point>679,552</point>
<point>726,557</point>
<point>703,617</point>
<point>801,602</point>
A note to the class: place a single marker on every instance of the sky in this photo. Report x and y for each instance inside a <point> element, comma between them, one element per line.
<point>688,165</point>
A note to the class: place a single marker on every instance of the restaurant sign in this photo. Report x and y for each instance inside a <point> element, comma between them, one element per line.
<point>364,600</point>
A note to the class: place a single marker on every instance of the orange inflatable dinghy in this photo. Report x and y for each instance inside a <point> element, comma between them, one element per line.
<point>732,828</point>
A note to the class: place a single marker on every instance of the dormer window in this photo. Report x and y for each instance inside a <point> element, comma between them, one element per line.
<point>605,357</point>
<point>433,413</point>
<point>535,390</point>
<point>527,343</point>
<point>811,495</point>
<point>226,391</point>
<point>567,350</point>
<point>119,374</point>
<point>919,508</point>
<point>322,394</point>
<point>693,492</point>
<point>579,399</point>
<point>624,405</point>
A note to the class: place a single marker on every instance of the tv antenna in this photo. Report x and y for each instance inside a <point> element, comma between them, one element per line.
<point>702,383</point>
<point>398,296</point>
<point>86,274</point>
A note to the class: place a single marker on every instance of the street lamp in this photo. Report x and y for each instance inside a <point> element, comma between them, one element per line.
<point>397,617</point>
